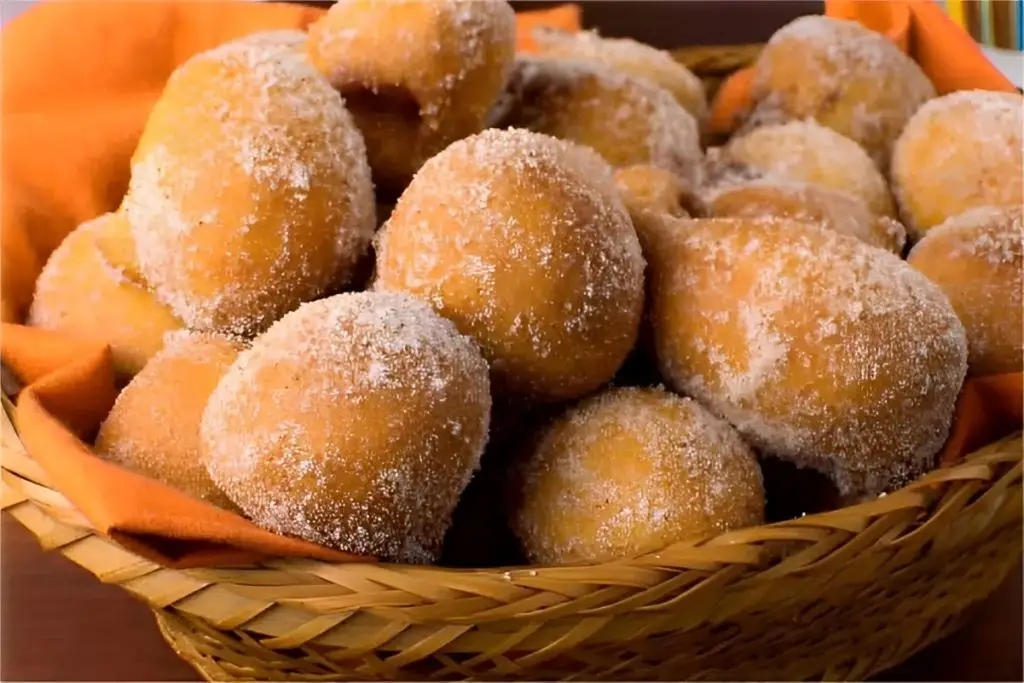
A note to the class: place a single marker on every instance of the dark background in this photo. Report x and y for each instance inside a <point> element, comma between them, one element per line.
<point>669,24</point>
<point>690,22</point>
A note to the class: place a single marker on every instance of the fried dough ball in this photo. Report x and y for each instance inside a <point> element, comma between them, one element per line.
<point>843,75</point>
<point>284,42</point>
<point>822,351</point>
<point>523,242</point>
<point>976,259</point>
<point>626,119</point>
<point>959,152</point>
<point>809,152</point>
<point>89,289</point>
<point>653,197</point>
<point>250,191</point>
<point>837,211</point>
<point>416,74</point>
<point>630,57</point>
<point>153,428</point>
<point>631,471</point>
<point>290,41</point>
<point>354,422</point>
<point>646,188</point>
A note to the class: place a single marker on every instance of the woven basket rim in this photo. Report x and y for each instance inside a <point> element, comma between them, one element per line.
<point>278,619</point>
<point>852,517</point>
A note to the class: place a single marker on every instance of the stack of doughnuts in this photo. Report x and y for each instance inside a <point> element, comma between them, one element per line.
<point>355,266</point>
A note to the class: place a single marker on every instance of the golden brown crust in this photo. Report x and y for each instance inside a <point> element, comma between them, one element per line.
<point>630,57</point>
<point>646,188</point>
<point>355,422</point>
<point>522,241</point>
<point>250,191</point>
<point>416,75</point>
<point>976,259</point>
<point>837,211</point>
<point>809,152</point>
<point>626,119</point>
<point>631,471</point>
<point>90,288</point>
<point>153,428</point>
<point>959,152</point>
<point>843,75</point>
<point>820,349</point>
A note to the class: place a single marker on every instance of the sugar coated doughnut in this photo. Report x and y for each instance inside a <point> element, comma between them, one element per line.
<point>626,119</point>
<point>652,197</point>
<point>959,152</point>
<point>837,211</point>
<point>285,42</point>
<point>288,40</point>
<point>976,259</point>
<point>416,74</point>
<point>153,428</point>
<point>653,189</point>
<point>250,191</point>
<point>631,471</point>
<point>821,350</point>
<point>809,152</point>
<point>523,242</point>
<point>354,422</point>
<point>843,75</point>
<point>89,289</point>
<point>631,57</point>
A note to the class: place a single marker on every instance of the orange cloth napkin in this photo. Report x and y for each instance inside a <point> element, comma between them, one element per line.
<point>920,28</point>
<point>79,80</point>
<point>70,121</point>
<point>71,390</point>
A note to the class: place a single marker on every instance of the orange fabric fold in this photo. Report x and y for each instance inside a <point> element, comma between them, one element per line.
<point>79,79</point>
<point>568,17</point>
<point>988,408</point>
<point>72,116</point>
<point>63,408</point>
<point>920,28</point>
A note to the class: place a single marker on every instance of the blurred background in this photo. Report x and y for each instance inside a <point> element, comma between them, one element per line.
<point>997,25</point>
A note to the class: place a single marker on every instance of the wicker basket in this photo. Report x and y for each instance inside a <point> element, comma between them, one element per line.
<point>843,594</point>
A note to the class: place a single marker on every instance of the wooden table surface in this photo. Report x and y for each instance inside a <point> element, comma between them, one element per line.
<point>60,624</point>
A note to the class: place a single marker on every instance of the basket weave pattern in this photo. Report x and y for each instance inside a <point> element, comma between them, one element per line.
<point>836,595</point>
<point>839,595</point>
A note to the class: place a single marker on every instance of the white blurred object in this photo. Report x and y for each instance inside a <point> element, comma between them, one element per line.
<point>12,8</point>
<point>1010,62</point>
